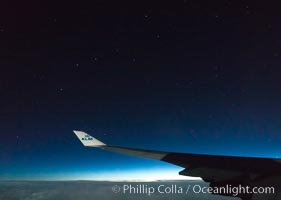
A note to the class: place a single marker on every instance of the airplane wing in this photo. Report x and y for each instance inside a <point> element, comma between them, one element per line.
<point>211,168</point>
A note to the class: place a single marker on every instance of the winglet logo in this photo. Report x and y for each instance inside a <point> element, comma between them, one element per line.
<point>87,137</point>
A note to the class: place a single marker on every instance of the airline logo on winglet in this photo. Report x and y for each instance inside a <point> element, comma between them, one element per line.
<point>87,137</point>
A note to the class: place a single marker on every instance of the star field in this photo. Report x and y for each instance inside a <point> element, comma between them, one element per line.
<point>186,76</point>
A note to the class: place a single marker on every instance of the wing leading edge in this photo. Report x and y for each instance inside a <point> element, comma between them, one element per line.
<point>90,141</point>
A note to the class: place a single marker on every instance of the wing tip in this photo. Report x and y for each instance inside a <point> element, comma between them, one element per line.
<point>88,140</point>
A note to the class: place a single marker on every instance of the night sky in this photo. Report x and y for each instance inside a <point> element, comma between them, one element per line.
<point>185,76</point>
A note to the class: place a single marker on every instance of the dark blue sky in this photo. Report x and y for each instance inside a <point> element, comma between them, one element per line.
<point>185,77</point>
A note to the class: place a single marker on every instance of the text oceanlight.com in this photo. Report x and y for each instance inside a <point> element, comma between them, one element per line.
<point>196,189</point>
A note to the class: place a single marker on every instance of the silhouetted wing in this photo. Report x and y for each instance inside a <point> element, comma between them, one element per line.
<point>208,167</point>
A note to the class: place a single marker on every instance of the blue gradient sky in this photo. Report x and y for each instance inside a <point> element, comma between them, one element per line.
<point>64,158</point>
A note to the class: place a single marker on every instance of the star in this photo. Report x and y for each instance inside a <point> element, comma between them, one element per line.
<point>94,58</point>
<point>276,54</point>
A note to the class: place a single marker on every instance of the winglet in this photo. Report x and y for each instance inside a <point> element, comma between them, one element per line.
<point>88,140</point>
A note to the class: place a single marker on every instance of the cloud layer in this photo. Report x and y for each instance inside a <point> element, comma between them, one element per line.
<point>89,190</point>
